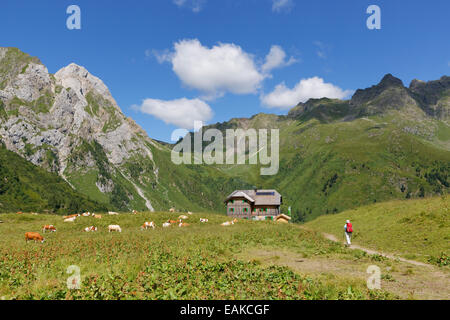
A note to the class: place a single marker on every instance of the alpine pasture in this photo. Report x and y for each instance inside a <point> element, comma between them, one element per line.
<point>200,261</point>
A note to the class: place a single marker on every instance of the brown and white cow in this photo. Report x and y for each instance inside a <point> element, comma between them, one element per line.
<point>202,220</point>
<point>97,216</point>
<point>48,227</point>
<point>114,228</point>
<point>34,236</point>
<point>182,224</point>
<point>71,216</point>
<point>148,225</point>
<point>90,229</point>
<point>229,223</point>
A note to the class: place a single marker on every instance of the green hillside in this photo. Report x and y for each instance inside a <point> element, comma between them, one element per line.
<point>336,155</point>
<point>26,187</point>
<point>415,229</point>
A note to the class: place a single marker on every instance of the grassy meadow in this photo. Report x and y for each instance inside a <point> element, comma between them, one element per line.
<point>202,261</point>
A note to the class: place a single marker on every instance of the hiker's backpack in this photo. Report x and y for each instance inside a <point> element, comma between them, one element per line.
<point>349,228</point>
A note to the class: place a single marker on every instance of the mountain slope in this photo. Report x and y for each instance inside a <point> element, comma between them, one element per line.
<point>417,229</point>
<point>26,187</point>
<point>336,155</point>
<point>70,124</point>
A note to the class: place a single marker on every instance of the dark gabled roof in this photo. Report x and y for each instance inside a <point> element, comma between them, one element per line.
<point>258,197</point>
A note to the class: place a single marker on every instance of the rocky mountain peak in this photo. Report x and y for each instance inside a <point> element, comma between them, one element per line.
<point>389,81</point>
<point>82,82</point>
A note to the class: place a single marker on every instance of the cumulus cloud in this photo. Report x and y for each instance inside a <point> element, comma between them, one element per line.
<point>282,5</point>
<point>276,58</point>
<point>180,112</point>
<point>222,68</point>
<point>194,5</point>
<point>216,70</point>
<point>284,98</point>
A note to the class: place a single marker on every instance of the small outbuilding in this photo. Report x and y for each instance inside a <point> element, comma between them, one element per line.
<point>282,218</point>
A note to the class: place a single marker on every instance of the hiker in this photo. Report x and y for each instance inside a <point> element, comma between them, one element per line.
<point>348,229</point>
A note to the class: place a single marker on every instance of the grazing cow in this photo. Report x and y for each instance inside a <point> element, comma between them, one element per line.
<point>34,213</point>
<point>97,216</point>
<point>229,223</point>
<point>90,229</point>
<point>174,221</point>
<point>111,213</point>
<point>203,220</point>
<point>182,224</point>
<point>114,228</point>
<point>71,216</point>
<point>183,217</point>
<point>48,227</point>
<point>147,225</point>
<point>172,210</point>
<point>34,236</point>
<point>70,219</point>
<point>166,224</point>
<point>86,214</point>
<point>189,213</point>
<point>134,212</point>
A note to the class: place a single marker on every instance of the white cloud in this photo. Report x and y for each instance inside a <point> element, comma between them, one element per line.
<point>285,98</point>
<point>282,5</point>
<point>181,112</point>
<point>161,56</point>
<point>321,49</point>
<point>276,58</point>
<point>222,68</point>
<point>216,70</point>
<point>194,5</point>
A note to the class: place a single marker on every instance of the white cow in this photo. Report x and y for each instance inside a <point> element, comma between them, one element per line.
<point>183,217</point>
<point>166,224</point>
<point>147,225</point>
<point>90,229</point>
<point>70,219</point>
<point>86,214</point>
<point>229,223</point>
<point>112,213</point>
<point>203,220</point>
<point>189,213</point>
<point>114,228</point>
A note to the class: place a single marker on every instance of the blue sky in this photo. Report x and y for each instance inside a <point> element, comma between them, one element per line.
<point>169,61</point>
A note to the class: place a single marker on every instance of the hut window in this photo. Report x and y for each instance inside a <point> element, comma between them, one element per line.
<point>245,209</point>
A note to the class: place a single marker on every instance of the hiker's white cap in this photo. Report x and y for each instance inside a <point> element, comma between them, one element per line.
<point>348,221</point>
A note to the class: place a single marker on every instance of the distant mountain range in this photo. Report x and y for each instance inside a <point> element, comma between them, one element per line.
<point>387,142</point>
